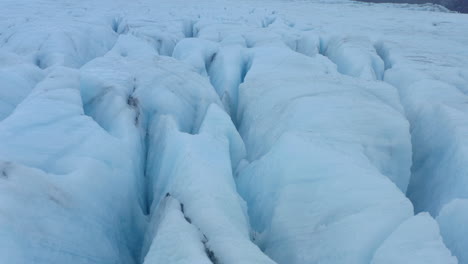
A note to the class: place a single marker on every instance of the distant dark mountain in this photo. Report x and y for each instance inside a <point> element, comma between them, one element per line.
<point>454,5</point>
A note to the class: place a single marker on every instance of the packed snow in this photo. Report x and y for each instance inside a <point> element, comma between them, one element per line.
<point>234,132</point>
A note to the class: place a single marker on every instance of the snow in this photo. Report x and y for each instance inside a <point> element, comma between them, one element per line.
<point>232,132</point>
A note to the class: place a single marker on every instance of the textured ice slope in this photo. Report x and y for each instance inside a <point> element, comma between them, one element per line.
<point>232,132</point>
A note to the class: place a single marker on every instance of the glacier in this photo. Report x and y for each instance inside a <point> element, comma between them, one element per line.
<point>232,132</point>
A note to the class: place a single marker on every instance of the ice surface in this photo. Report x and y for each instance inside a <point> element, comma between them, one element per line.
<point>176,240</point>
<point>197,170</point>
<point>455,5</point>
<point>58,191</point>
<point>310,149</point>
<point>65,44</point>
<point>425,246</point>
<point>196,52</point>
<point>354,56</point>
<point>435,104</point>
<point>452,220</point>
<point>17,79</point>
<point>232,132</point>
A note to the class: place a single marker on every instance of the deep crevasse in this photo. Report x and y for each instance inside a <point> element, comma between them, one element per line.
<point>281,129</point>
<point>191,147</point>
